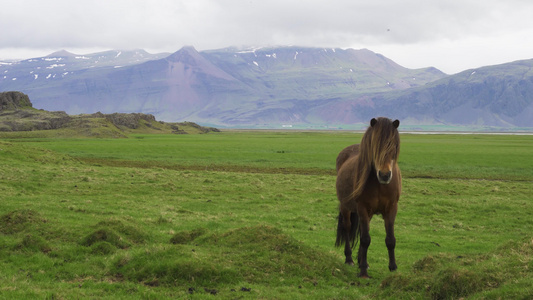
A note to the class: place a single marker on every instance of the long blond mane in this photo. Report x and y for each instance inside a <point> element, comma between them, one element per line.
<point>380,142</point>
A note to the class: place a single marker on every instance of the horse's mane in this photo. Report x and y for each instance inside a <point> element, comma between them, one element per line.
<point>380,141</point>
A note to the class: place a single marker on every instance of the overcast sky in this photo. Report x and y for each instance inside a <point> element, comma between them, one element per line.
<point>450,35</point>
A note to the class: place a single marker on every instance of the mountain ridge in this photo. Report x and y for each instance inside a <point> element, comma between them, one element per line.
<point>270,86</point>
<point>500,95</point>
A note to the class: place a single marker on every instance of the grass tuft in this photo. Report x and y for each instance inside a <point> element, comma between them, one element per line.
<point>184,237</point>
<point>171,266</point>
<point>18,220</point>
<point>259,237</point>
<point>264,254</point>
<point>444,276</point>
<point>103,248</point>
<point>105,235</point>
<point>454,283</point>
<point>33,243</point>
<point>426,264</point>
<point>128,232</point>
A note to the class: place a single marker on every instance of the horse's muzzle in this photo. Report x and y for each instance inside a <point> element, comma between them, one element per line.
<point>384,177</point>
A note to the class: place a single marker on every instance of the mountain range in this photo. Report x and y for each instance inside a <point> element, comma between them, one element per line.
<point>271,87</point>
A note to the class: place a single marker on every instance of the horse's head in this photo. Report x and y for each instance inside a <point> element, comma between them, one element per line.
<point>385,147</point>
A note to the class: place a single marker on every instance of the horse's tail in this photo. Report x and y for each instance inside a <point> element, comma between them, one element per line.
<point>354,231</point>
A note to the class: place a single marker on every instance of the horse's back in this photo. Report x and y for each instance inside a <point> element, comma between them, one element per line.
<point>346,153</point>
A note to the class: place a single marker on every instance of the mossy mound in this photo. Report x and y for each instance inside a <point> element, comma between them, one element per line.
<point>259,254</point>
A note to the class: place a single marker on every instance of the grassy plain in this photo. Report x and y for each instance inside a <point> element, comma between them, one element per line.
<point>252,215</point>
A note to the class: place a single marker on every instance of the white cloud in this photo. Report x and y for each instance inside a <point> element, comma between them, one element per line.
<point>450,35</point>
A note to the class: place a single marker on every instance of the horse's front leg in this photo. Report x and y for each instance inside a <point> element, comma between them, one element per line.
<point>364,243</point>
<point>390,239</point>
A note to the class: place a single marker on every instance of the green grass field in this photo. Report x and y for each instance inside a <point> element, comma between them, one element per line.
<point>247,215</point>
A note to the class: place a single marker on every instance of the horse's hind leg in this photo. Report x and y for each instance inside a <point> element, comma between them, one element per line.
<point>347,227</point>
<point>390,240</point>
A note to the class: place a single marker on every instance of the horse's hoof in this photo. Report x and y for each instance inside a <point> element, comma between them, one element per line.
<point>351,263</point>
<point>365,276</point>
<point>393,268</point>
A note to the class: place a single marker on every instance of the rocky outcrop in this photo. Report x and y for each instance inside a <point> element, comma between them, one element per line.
<point>14,101</point>
<point>32,119</point>
<point>131,121</point>
<point>18,114</point>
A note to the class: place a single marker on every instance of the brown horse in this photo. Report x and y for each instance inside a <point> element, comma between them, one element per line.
<point>369,182</point>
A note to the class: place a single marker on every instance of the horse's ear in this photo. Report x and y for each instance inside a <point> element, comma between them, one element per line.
<point>396,123</point>
<point>373,122</point>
